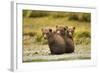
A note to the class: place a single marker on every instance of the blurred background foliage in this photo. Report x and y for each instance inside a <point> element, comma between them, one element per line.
<point>34,20</point>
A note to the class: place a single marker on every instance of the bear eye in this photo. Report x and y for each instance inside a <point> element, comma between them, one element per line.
<point>67,31</point>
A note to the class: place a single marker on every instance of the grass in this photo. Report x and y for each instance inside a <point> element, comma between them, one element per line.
<point>34,25</point>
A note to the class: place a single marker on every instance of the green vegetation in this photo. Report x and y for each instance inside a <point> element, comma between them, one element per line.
<point>34,21</point>
<point>82,17</point>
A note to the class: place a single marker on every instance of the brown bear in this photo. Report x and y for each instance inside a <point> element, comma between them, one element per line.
<point>67,34</point>
<point>56,43</point>
<point>70,31</point>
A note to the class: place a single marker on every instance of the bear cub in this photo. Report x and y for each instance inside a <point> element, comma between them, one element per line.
<point>56,42</point>
<point>60,41</point>
<point>67,34</point>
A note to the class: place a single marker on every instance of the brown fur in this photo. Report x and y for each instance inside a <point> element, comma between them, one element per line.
<point>64,32</point>
<point>56,43</point>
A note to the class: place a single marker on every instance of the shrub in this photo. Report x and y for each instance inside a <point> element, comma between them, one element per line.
<point>84,41</point>
<point>24,13</point>
<point>38,38</point>
<point>86,17</point>
<point>38,14</point>
<point>31,34</point>
<point>58,15</point>
<point>73,16</point>
<point>82,37</point>
<point>83,34</point>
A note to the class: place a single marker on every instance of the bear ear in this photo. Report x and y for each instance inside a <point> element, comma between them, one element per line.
<point>50,30</point>
<point>66,27</point>
<point>74,28</point>
<point>56,26</point>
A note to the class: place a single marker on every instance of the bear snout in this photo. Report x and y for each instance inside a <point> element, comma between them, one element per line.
<point>70,33</point>
<point>45,36</point>
<point>58,32</point>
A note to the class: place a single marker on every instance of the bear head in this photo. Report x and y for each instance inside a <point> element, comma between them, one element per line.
<point>70,31</point>
<point>47,32</point>
<point>65,30</point>
<point>61,30</point>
